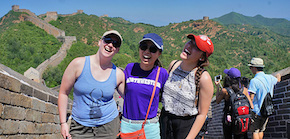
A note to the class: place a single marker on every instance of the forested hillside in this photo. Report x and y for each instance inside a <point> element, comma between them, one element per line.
<point>278,25</point>
<point>22,44</point>
<point>234,45</point>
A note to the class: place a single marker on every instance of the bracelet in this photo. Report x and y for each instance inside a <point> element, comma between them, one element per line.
<point>62,123</point>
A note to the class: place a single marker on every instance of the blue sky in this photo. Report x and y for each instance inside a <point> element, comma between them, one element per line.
<point>156,12</point>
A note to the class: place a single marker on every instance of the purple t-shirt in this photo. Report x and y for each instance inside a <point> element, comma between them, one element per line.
<point>139,87</point>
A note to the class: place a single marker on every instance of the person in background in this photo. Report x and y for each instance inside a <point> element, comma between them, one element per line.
<point>245,82</point>
<point>258,92</point>
<point>140,80</point>
<point>188,91</point>
<point>233,81</point>
<point>94,78</point>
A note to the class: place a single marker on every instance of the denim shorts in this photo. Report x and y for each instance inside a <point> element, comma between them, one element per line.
<point>152,127</point>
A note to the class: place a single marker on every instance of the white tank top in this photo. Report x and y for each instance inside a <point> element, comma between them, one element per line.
<point>179,93</point>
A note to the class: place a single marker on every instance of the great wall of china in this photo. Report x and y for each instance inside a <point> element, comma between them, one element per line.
<point>28,109</point>
<point>36,74</point>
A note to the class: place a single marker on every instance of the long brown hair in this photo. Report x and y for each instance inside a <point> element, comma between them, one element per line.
<point>200,70</point>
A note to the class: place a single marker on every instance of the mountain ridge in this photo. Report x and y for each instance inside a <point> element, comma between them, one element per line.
<point>278,25</point>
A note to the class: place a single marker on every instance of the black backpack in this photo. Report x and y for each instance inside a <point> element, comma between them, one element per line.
<point>239,107</point>
<point>267,108</point>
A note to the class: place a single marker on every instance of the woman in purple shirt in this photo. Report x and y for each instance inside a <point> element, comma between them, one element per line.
<point>140,80</point>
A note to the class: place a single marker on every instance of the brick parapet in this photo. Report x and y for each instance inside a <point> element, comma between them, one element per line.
<point>27,109</point>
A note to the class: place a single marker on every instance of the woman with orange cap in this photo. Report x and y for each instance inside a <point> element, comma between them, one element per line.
<point>188,91</point>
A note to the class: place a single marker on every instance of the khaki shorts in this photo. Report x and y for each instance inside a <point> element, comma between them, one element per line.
<point>259,123</point>
<point>106,131</point>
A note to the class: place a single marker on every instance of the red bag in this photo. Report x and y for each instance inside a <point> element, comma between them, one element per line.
<point>140,134</point>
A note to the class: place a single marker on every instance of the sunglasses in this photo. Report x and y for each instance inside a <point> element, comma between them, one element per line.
<point>108,40</point>
<point>144,47</point>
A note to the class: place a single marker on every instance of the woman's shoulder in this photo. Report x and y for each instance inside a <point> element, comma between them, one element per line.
<point>205,76</point>
<point>78,61</point>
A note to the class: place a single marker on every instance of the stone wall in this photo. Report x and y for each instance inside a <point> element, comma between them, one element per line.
<point>27,109</point>
<point>58,57</point>
<point>60,34</point>
<point>45,26</point>
<point>277,125</point>
<point>27,11</point>
<point>40,23</point>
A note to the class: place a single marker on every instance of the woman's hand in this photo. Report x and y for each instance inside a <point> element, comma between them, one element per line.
<point>65,131</point>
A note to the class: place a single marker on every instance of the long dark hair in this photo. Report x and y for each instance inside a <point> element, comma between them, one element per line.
<point>158,63</point>
<point>245,82</point>
<point>199,71</point>
<point>234,83</point>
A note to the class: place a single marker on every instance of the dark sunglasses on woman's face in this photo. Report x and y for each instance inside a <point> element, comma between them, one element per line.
<point>108,40</point>
<point>144,47</point>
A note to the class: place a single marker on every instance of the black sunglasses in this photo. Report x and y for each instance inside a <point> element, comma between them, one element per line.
<point>108,40</point>
<point>152,48</point>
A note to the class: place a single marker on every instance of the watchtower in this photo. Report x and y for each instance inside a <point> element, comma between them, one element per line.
<point>15,8</point>
<point>80,11</point>
<point>51,16</point>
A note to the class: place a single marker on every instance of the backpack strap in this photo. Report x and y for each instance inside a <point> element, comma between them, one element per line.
<point>230,91</point>
<point>232,94</point>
